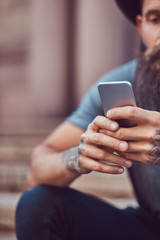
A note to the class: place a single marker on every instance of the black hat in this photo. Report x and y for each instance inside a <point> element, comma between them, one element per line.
<point>131,8</point>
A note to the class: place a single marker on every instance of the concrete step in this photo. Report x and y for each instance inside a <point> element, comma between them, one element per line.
<point>8,202</point>
<point>13,177</point>
<point>19,137</point>
<point>5,235</point>
<point>21,127</point>
<point>21,141</point>
<point>105,185</point>
<point>15,155</point>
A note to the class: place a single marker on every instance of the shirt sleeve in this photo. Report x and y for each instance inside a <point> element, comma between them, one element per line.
<point>90,106</point>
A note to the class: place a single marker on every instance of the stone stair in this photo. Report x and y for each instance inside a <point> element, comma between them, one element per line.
<point>7,235</point>
<point>17,139</point>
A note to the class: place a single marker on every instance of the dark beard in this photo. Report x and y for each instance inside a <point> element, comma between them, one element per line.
<point>146,85</point>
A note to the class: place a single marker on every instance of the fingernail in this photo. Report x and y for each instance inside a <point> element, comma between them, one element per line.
<point>128,163</point>
<point>123,146</point>
<point>113,126</point>
<point>120,170</point>
<point>109,113</point>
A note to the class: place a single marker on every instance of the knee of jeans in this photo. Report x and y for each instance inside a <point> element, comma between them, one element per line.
<point>32,209</point>
<point>34,206</point>
<point>36,200</point>
<point>40,201</point>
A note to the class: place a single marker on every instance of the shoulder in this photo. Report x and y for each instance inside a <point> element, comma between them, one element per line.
<point>125,72</point>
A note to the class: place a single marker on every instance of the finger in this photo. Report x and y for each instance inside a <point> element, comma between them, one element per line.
<point>102,122</point>
<point>138,146</point>
<point>143,157</point>
<point>93,165</point>
<point>117,159</point>
<point>103,140</point>
<point>107,149</point>
<point>136,114</point>
<point>139,157</point>
<point>94,152</point>
<point>138,133</point>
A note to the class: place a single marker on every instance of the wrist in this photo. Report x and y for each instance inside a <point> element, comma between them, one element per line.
<point>71,159</point>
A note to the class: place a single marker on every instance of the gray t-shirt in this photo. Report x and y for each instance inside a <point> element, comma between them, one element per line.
<point>145,178</point>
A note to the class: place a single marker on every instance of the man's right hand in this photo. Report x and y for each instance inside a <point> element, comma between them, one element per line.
<point>96,147</point>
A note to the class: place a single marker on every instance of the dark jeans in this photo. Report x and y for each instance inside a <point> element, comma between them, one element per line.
<point>47,213</point>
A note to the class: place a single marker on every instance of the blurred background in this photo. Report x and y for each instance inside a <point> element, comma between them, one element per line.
<point>51,51</point>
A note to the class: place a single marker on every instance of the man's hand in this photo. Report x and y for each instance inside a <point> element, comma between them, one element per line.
<point>96,147</point>
<point>144,139</point>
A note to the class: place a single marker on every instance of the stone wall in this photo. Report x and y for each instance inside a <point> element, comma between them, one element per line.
<point>52,51</point>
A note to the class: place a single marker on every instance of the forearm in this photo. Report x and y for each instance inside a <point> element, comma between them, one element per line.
<point>52,168</point>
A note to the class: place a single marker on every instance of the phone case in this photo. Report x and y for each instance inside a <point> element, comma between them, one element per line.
<point>117,94</point>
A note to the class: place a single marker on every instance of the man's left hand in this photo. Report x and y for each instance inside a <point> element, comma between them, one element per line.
<point>143,139</point>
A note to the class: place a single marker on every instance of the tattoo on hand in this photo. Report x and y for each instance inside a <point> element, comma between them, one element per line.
<point>154,156</point>
<point>71,159</point>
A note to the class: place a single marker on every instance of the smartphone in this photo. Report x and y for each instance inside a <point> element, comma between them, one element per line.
<point>117,94</point>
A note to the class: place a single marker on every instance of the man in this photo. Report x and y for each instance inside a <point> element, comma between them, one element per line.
<point>76,146</point>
